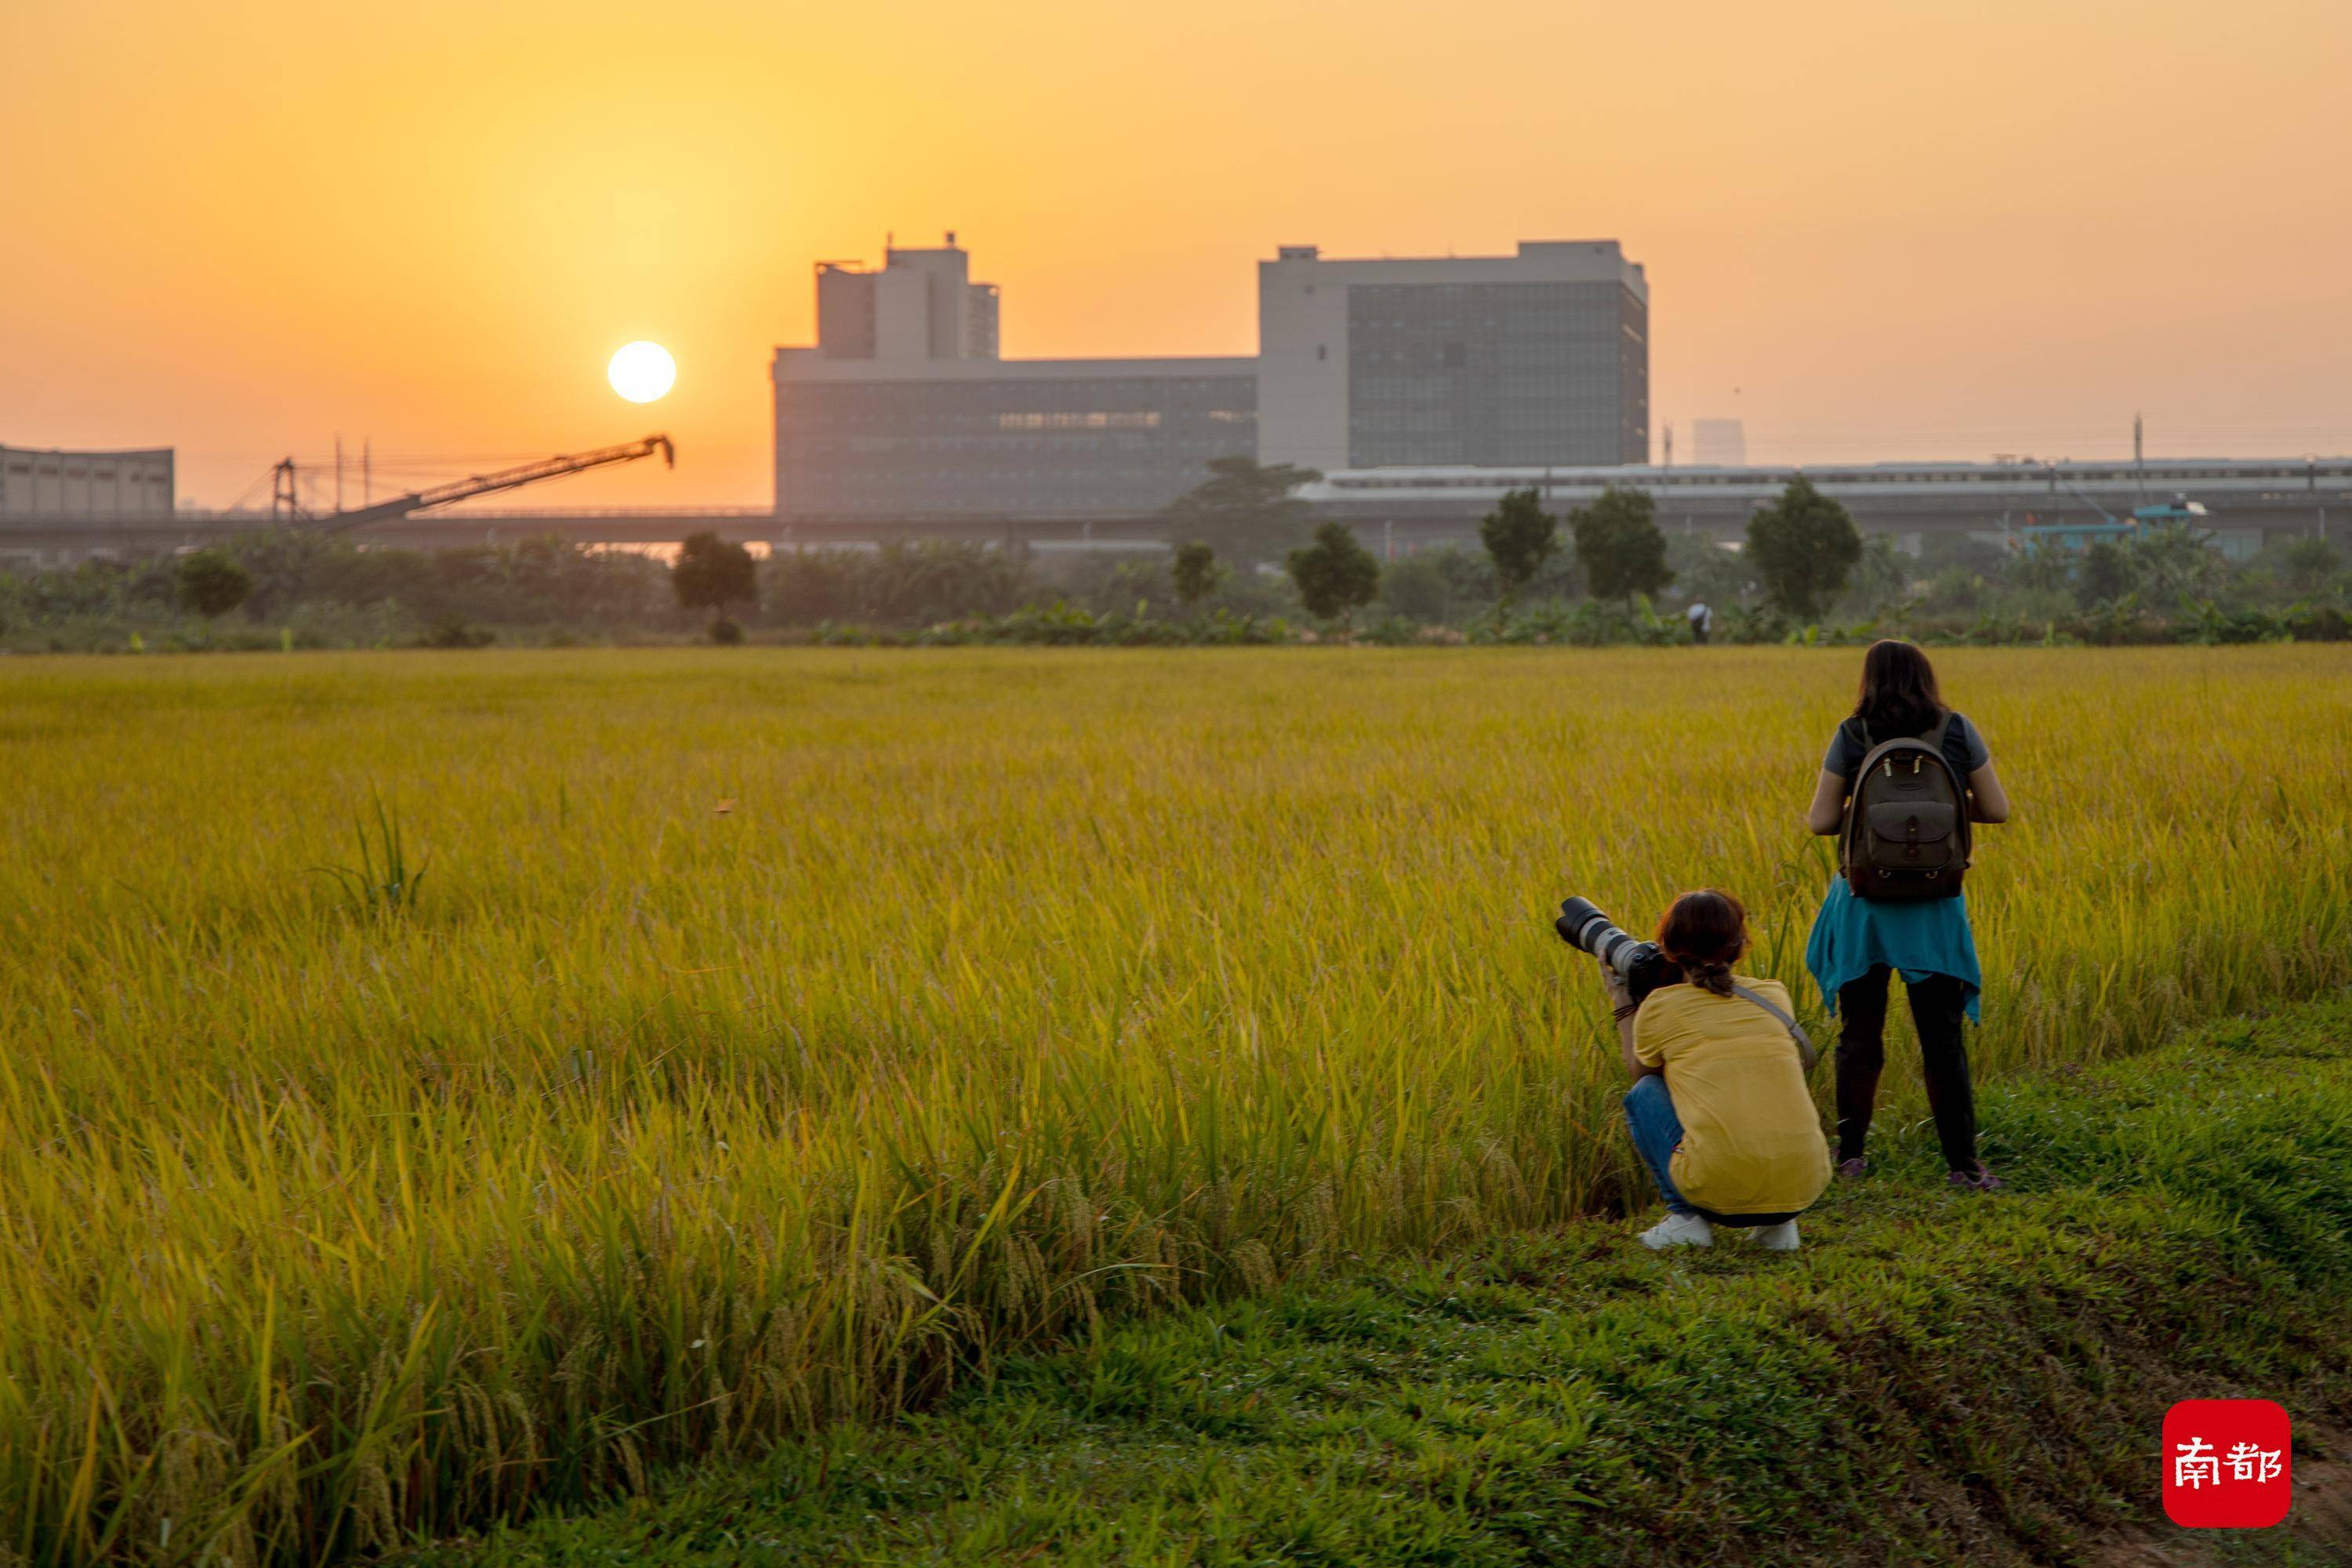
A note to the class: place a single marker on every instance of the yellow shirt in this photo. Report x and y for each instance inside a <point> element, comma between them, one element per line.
<point>1752,1141</point>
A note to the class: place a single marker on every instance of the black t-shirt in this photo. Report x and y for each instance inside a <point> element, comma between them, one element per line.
<point>1963,748</point>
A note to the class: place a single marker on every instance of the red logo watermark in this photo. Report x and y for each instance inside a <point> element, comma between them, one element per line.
<point>2227,1464</point>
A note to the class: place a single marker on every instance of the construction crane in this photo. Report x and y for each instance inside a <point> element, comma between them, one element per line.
<point>555,467</point>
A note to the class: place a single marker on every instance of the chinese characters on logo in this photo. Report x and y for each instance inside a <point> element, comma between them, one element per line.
<point>2195,1464</point>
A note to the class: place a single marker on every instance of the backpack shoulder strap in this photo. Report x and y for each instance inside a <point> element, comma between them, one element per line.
<point>1796,1030</point>
<point>1934,737</point>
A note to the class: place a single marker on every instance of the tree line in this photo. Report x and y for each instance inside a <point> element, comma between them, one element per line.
<point>1248,565</point>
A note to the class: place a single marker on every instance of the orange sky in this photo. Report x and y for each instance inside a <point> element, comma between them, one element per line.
<point>1873,230</point>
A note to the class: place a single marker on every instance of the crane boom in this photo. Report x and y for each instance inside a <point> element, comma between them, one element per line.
<point>553,468</point>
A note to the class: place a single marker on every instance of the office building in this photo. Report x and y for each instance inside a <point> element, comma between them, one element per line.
<point>1719,443</point>
<point>903,409</point>
<point>85,484</point>
<point>1538,358</point>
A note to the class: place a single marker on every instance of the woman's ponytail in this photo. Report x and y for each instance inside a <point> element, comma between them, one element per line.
<point>1704,932</point>
<point>1709,975</point>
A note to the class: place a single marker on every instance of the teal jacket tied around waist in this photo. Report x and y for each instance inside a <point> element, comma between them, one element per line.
<point>1926,936</point>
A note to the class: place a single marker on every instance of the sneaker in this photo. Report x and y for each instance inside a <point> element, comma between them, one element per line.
<point>1851,1170</point>
<point>1980,1180</point>
<point>1781,1237</point>
<point>1679,1230</point>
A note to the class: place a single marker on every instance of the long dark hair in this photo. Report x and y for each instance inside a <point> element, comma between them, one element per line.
<point>1704,932</point>
<point>1898,693</point>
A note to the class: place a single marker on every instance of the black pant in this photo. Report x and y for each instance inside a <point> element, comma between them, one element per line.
<point>1939,1003</point>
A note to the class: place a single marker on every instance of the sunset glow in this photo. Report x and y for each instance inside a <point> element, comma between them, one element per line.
<point>1873,232</point>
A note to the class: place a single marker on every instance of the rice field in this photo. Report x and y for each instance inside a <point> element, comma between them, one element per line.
<point>776,1036</point>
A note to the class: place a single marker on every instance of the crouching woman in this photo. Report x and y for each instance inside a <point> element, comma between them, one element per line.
<point>1720,1109</point>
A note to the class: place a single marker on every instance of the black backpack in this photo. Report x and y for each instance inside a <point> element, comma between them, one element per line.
<point>1907,821</point>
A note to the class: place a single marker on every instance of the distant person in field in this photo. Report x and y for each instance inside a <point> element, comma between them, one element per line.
<point>1701,621</point>
<point>1720,1110</point>
<point>1858,943</point>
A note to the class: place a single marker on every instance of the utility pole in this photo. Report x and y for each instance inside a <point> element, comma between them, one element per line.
<point>2139,461</point>
<point>367,473</point>
<point>339,470</point>
<point>1670,446</point>
<point>284,501</point>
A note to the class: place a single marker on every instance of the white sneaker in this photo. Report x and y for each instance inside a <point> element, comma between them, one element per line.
<point>1781,1237</point>
<point>1679,1230</point>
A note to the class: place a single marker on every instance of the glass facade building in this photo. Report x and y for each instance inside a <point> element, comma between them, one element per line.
<point>1541,358</point>
<point>1496,374</point>
<point>1010,438</point>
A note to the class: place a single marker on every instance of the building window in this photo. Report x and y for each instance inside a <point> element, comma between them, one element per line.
<point>1147,419</point>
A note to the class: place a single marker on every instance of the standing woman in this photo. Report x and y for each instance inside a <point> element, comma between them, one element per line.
<point>1857,943</point>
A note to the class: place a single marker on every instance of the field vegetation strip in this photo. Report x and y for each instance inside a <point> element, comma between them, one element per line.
<point>1940,1378</point>
<point>1010,993</point>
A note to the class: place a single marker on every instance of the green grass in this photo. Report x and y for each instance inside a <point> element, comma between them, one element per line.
<point>1939,1377</point>
<point>1010,993</point>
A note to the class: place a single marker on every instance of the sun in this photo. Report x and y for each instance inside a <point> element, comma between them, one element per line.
<point>642,372</point>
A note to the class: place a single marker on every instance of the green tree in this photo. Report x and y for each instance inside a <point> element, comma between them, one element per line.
<point>1335,574</point>
<point>712,574</point>
<point>1520,536</point>
<point>1246,511</point>
<point>211,583</point>
<point>1197,572</point>
<point>1619,545</point>
<point>1802,546</point>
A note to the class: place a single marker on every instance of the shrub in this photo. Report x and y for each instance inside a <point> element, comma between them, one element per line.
<point>1416,589</point>
<point>712,574</point>
<point>454,631</point>
<point>212,583</point>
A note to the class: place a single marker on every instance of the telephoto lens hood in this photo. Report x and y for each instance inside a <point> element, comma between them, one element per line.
<point>1582,925</point>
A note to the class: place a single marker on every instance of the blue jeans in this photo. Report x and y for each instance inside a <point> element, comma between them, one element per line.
<point>1650,1117</point>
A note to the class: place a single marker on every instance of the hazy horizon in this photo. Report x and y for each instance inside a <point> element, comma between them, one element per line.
<point>1940,234</point>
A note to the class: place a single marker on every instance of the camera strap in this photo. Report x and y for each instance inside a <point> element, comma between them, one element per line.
<point>1795,1029</point>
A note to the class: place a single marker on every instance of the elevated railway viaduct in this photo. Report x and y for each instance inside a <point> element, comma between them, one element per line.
<point>1395,509</point>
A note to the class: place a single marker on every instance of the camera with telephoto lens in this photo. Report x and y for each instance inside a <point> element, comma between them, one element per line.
<point>1641,965</point>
